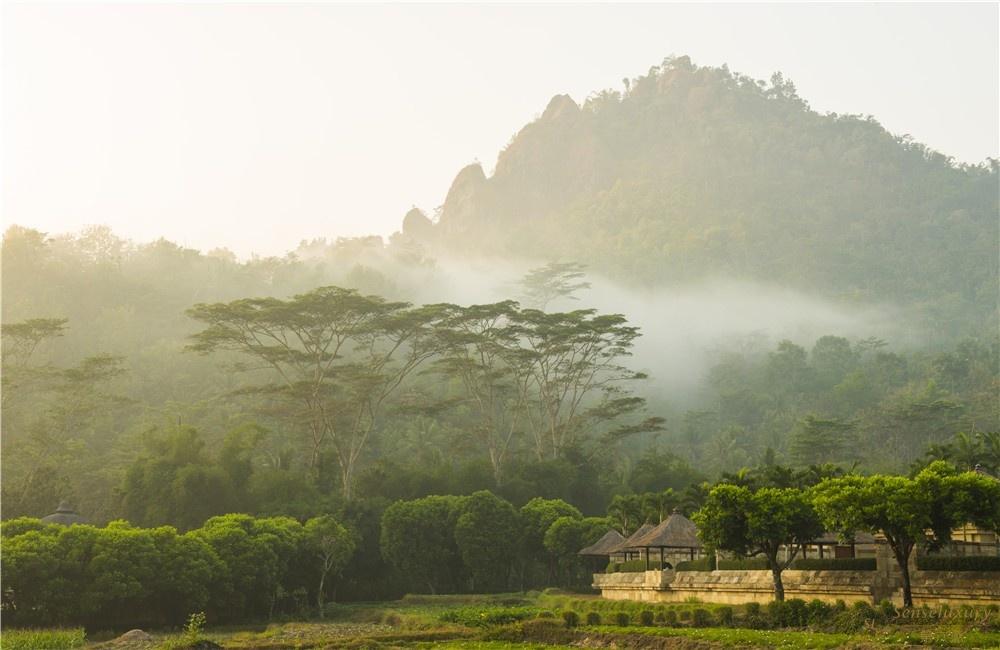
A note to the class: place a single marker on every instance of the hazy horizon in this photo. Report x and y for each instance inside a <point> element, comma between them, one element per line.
<point>255,126</point>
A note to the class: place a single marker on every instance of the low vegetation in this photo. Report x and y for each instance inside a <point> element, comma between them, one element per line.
<point>53,639</point>
<point>554,619</point>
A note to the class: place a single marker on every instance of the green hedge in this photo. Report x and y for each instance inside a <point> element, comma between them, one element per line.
<point>748,564</point>
<point>632,566</point>
<point>708,564</point>
<point>832,564</point>
<point>967,563</point>
<point>702,564</point>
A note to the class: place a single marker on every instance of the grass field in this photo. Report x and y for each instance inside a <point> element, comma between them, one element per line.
<point>55,639</point>
<point>536,620</point>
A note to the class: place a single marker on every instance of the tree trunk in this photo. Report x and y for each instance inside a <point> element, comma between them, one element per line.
<point>907,594</point>
<point>903,559</point>
<point>346,478</point>
<point>319,595</point>
<point>779,587</point>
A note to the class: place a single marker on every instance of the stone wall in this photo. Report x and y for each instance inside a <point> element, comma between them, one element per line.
<point>734,587</point>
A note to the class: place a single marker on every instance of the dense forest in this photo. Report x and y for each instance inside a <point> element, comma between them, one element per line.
<point>165,385</point>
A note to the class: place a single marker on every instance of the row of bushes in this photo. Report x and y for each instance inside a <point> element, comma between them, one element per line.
<point>793,613</point>
<point>234,567</point>
<point>759,564</point>
<point>835,564</point>
<point>631,566</point>
<point>965,563</point>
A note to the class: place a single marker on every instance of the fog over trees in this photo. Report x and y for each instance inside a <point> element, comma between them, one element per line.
<point>656,288</point>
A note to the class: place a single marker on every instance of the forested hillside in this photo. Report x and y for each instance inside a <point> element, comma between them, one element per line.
<point>481,350</point>
<point>697,172</point>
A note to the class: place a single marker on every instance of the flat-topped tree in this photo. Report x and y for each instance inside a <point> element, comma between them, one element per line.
<point>577,382</point>
<point>480,347</point>
<point>556,280</point>
<point>898,507</point>
<point>747,523</point>
<point>334,357</point>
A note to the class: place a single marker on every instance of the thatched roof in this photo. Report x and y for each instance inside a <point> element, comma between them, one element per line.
<point>64,515</point>
<point>676,531</point>
<point>627,544</point>
<point>604,546</point>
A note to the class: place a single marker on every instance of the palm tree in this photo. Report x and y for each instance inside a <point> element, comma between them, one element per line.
<point>657,505</point>
<point>990,442</point>
<point>967,450</point>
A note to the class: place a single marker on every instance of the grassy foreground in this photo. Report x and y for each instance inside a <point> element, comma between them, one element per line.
<point>551,620</point>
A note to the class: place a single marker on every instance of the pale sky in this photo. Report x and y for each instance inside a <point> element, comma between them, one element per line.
<point>255,126</point>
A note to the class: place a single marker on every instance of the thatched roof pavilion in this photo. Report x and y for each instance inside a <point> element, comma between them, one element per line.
<point>627,545</point>
<point>674,532</point>
<point>64,515</point>
<point>605,546</point>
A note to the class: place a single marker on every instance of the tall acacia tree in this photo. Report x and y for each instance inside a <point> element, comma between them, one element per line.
<point>576,381</point>
<point>480,347</point>
<point>333,355</point>
<point>555,280</point>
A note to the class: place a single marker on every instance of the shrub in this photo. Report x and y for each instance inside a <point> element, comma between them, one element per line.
<point>545,614</point>
<point>621,619</point>
<point>670,617</point>
<point>725,616</point>
<point>839,605</point>
<point>967,563</point>
<point>887,609</point>
<point>571,618</point>
<point>701,618</point>
<point>660,618</point>
<point>685,614</point>
<point>194,627</point>
<point>593,618</point>
<point>646,618</point>
<point>796,613</point>
<point>777,613</point>
<point>817,612</point>
<point>754,618</point>
<point>854,619</point>
<point>865,609</point>
<point>544,631</point>
<point>832,564</point>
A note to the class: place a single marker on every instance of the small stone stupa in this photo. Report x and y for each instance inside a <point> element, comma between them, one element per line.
<point>64,515</point>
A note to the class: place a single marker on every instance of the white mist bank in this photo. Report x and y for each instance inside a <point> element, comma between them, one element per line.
<point>683,328</point>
